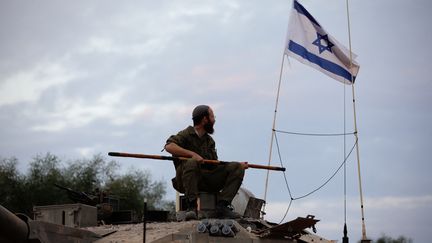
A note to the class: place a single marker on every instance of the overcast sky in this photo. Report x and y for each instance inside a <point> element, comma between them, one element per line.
<point>79,78</point>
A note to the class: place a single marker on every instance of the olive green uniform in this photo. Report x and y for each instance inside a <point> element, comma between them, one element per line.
<point>192,177</point>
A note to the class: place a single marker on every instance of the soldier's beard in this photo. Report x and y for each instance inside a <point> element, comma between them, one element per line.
<point>208,127</point>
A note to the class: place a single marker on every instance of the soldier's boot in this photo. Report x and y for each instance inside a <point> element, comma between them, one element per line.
<point>225,212</point>
<point>191,212</point>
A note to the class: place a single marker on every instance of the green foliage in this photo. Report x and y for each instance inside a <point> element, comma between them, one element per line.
<point>20,192</point>
<point>87,175</point>
<point>136,186</point>
<point>388,239</point>
<point>11,184</point>
<point>43,173</point>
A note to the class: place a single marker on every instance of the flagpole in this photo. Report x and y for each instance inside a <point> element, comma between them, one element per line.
<point>364,238</point>
<point>273,129</point>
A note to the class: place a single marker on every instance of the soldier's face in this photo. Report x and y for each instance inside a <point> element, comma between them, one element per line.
<point>211,119</point>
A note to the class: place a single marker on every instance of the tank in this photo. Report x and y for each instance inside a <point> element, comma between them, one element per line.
<point>249,228</point>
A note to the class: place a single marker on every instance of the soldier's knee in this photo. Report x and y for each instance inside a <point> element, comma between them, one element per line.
<point>237,169</point>
<point>191,163</point>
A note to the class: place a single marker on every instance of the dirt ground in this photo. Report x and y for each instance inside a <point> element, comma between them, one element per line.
<point>133,233</point>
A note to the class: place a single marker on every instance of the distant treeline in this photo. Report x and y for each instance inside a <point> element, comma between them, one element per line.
<point>387,239</point>
<point>19,192</point>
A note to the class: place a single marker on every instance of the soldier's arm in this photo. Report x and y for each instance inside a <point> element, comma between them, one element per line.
<point>178,151</point>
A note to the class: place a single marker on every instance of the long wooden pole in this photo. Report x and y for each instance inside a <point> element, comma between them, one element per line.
<point>206,161</point>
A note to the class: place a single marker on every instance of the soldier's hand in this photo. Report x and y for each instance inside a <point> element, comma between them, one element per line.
<point>197,157</point>
<point>245,165</point>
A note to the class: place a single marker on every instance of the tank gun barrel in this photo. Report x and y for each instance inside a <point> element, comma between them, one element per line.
<point>79,197</point>
<point>21,229</point>
<point>13,229</point>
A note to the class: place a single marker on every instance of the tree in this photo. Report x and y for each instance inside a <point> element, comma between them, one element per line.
<point>11,184</point>
<point>135,186</point>
<point>387,239</point>
<point>86,175</point>
<point>19,193</point>
<point>39,188</point>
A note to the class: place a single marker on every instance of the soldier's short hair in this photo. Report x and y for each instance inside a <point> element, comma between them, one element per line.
<point>199,113</point>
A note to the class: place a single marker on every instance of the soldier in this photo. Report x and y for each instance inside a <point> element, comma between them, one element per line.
<point>193,176</point>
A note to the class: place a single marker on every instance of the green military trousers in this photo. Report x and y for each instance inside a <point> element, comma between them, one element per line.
<point>225,179</point>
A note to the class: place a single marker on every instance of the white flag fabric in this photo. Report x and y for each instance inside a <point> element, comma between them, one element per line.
<point>310,44</point>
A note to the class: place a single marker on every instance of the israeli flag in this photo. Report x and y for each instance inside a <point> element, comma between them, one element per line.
<point>310,44</point>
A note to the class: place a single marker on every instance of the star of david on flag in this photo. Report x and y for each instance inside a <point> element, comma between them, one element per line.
<point>327,46</point>
<point>310,44</point>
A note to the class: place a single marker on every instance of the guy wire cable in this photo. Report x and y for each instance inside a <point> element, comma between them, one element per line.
<point>331,177</point>
<point>318,188</point>
<point>286,181</point>
<point>315,134</point>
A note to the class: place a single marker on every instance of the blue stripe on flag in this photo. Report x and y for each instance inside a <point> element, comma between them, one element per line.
<point>300,9</point>
<point>323,63</point>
